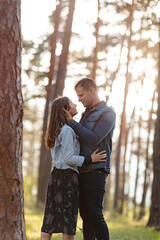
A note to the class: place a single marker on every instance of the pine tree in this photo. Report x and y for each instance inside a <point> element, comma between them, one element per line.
<point>11,181</point>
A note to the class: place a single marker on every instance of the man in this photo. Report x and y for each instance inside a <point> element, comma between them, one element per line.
<point>95,131</point>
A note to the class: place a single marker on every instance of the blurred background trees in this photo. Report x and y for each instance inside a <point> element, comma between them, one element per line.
<point>116,43</point>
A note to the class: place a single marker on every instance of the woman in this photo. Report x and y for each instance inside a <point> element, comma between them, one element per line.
<point>62,196</point>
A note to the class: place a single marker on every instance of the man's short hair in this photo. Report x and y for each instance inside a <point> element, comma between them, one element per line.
<point>86,83</point>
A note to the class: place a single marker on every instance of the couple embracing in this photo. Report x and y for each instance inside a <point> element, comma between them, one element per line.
<point>81,158</point>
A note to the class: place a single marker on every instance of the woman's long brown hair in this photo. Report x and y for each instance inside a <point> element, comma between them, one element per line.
<point>56,120</point>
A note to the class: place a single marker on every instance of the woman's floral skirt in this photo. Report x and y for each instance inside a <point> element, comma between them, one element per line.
<point>61,209</point>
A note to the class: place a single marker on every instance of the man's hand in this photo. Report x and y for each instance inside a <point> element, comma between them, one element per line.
<point>67,115</point>
<point>99,157</point>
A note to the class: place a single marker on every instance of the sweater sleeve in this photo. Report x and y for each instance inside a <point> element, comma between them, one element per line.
<point>67,141</point>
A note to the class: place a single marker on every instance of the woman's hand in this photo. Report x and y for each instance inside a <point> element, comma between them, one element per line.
<point>99,157</point>
<point>67,115</point>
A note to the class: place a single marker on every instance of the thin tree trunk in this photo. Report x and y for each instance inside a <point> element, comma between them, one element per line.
<point>154,218</point>
<point>131,127</point>
<point>31,138</point>
<point>114,74</point>
<point>12,224</point>
<point>129,170</point>
<point>62,67</point>
<point>124,161</point>
<point>138,162</point>
<point>45,157</point>
<point>123,118</point>
<point>95,60</point>
<point>146,173</point>
<point>52,92</point>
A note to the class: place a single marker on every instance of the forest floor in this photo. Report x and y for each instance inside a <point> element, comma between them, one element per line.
<point>120,227</point>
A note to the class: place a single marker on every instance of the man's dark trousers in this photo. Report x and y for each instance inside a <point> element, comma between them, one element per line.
<point>92,189</point>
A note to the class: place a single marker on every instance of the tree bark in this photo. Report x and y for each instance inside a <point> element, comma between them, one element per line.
<point>62,67</point>
<point>123,118</point>
<point>12,224</point>
<point>147,164</point>
<point>52,92</point>
<point>45,157</point>
<point>124,161</point>
<point>138,162</point>
<point>154,218</point>
<point>129,169</point>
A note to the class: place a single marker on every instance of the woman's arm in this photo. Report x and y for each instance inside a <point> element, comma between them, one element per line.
<point>67,141</point>
<point>67,144</point>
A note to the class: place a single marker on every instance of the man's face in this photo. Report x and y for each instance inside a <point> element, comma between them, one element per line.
<point>85,96</point>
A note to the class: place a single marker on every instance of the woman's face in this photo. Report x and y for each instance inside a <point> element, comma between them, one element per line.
<point>72,110</point>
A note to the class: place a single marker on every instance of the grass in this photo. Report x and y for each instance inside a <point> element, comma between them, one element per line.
<point>34,218</point>
<point>121,227</point>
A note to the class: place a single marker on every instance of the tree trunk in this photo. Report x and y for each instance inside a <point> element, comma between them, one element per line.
<point>45,157</point>
<point>95,60</point>
<point>31,138</point>
<point>147,172</point>
<point>138,162</point>
<point>109,83</point>
<point>124,161</point>
<point>123,118</point>
<point>129,169</point>
<point>12,224</point>
<point>154,218</point>
<point>52,92</point>
<point>62,67</point>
